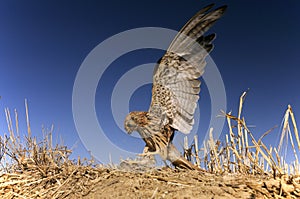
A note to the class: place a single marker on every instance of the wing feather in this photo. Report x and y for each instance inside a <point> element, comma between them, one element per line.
<point>176,84</point>
<point>196,27</point>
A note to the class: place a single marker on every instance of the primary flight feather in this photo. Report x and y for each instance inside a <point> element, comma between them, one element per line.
<point>176,88</point>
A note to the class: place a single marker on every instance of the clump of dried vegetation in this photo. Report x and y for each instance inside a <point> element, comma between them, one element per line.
<point>243,154</point>
<point>37,169</point>
<point>40,169</point>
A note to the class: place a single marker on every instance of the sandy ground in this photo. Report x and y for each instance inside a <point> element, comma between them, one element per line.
<point>99,181</point>
<point>170,183</point>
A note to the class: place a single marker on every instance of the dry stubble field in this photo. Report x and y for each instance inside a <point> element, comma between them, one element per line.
<point>239,167</point>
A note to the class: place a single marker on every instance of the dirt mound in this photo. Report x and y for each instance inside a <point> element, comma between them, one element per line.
<point>168,183</point>
<point>86,182</point>
<point>32,168</point>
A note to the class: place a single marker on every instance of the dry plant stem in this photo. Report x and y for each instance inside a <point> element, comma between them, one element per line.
<point>41,169</point>
<point>197,151</point>
<point>294,125</point>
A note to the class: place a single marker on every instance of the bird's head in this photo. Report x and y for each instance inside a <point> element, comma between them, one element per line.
<point>133,120</point>
<point>129,123</point>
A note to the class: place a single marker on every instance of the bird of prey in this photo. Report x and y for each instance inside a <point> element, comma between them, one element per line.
<point>175,90</point>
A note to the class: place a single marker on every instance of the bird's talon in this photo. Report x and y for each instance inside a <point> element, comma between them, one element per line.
<point>148,154</point>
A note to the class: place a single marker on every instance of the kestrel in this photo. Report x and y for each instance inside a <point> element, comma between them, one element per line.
<point>175,90</point>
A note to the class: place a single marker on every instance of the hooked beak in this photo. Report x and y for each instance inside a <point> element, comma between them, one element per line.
<point>129,125</point>
<point>129,129</point>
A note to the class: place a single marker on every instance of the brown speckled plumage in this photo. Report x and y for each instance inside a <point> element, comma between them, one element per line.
<point>176,88</point>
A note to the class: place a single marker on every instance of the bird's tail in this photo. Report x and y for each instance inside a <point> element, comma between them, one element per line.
<point>178,160</point>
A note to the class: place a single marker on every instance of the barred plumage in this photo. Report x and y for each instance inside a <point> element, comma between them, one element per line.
<point>176,88</point>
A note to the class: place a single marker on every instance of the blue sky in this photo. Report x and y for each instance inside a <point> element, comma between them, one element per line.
<point>43,45</point>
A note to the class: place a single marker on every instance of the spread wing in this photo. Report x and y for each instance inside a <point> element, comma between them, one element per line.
<point>176,84</point>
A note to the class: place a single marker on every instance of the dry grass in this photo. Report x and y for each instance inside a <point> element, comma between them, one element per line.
<point>242,153</point>
<point>39,169</point>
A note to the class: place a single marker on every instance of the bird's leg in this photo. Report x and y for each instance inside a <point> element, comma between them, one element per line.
<point>174,156</point>
<point>146,149</point>
<point>146,152</point>
<point>148,155</point>
<point>164,155</point>
<point>145,160</point>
